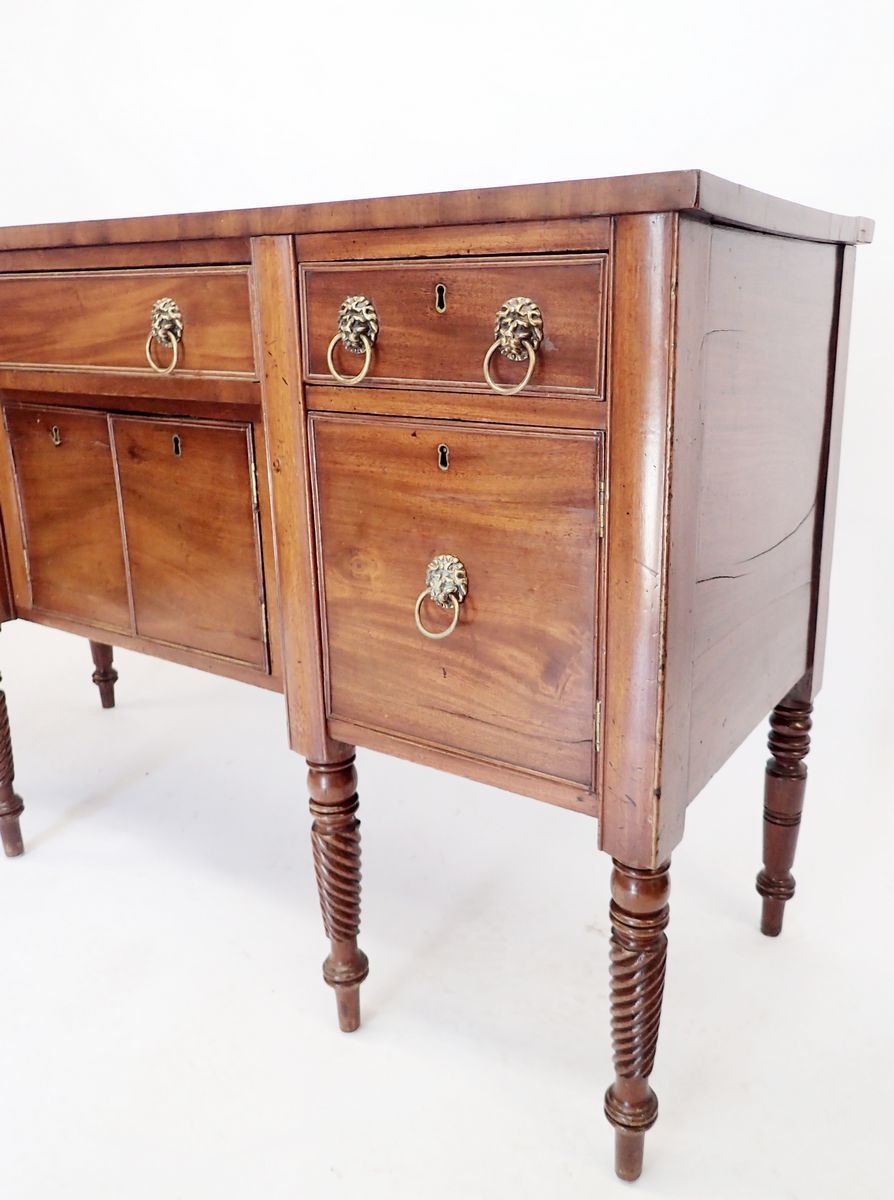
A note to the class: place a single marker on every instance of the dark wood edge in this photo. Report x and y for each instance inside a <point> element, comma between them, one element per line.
<point>825,524</point>
<point>285,432</point>
<point>197,253</point>
<point>570,235</point>
<point>538,787</point>
<point>7,598</point>
<point>124,388</point>
<point>637,534</point>
<point>733,204</point>
<point>693,260</point>
<point>211,664</point>
<point>667,191</point>
<point>546,412</point>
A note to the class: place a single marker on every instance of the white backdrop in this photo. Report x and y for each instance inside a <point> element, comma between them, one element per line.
<point>165,1029</point>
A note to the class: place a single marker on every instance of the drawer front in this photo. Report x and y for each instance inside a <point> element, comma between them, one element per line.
<point>515,681</point>
<point>191,523</point>
<point>68,504</point>
<point>102,319</point>
<point>417,345</point>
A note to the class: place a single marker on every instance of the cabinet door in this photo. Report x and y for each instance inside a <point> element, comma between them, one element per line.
<point>515,680</point>
<point>65,479</point>
<point>191,527</point>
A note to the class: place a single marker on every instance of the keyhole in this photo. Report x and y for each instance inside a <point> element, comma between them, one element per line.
<point>441,297</point>
<point>177,444</point>
<point>443,457</point>
<point>56,436</point>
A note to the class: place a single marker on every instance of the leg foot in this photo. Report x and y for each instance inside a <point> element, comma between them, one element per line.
<point>639,916</point>
<point>335,836</point>
<point>104,676</point>
<point>11,806</point>
<point>786,780</point>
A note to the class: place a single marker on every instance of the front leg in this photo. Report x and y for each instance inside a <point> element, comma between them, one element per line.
<point>335,835</point>
<point>11,806</point>
<point>639,915</point>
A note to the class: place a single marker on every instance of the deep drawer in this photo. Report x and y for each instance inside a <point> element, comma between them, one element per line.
<point>436,322</point>
<point>515,681</point>
<point>102,320</point>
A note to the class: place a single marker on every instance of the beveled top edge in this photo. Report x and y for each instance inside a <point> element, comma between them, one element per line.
<point>667,191</point>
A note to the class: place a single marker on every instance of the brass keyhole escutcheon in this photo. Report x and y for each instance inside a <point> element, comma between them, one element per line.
<point>55,436</point>
<point>440,297</point>
<point>177,445</point>
<point>443,457</point>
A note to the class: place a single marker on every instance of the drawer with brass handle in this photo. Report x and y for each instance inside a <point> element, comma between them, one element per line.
<point>532,325</point>
<point>459,578</point>
<point>186,321</point>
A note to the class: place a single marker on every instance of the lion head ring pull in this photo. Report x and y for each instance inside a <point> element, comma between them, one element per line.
<point>358,328</point>
<point>446,583</point>
<point>518,330</point>
<point>167,330</point>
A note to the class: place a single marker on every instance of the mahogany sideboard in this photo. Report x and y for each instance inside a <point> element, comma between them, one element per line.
<point>532,484</point>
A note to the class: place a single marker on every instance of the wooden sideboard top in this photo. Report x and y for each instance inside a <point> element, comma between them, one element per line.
<point>693,191</point>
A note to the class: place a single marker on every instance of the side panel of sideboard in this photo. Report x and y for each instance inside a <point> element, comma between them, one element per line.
<point>721,436</point>
<point>766,370</point>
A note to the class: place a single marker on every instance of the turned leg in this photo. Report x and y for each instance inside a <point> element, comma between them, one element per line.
<point>104,676</point>
<point>335,836</point>
<point>639,915</point>
<point>11,806</point>
<point>784,786</point>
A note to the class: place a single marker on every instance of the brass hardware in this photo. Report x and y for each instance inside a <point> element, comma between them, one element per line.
<point>255,503</point>
<point>440,297</point>
<point>167,330</point>
<point>447,584</point>
<point>601,509</point>
<point>177,445</point>
<point>598,726</point>
<point>443,457</point>
<point>518,330</point>
<point>55,436</point>
<point>358,328</point>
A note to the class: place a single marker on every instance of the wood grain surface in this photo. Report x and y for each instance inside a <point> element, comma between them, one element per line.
<point>68,507</point>
<point>662,191</point>
<point>419,346</point>
<point>101,319</point>
<point>192,535</point>
<point>515,682</point>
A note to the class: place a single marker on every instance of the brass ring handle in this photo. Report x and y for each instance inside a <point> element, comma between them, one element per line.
<point>358,328</point>
<point>518,332</point>
<point>350,380</point>
<point>446,584</point>
<point>436,637</point>
<point>166,328</point>
<point>514,389</point>
<point>153,364</point>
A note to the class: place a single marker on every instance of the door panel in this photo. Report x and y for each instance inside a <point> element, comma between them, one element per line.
<point>190,519</point>
<point>68,502</point>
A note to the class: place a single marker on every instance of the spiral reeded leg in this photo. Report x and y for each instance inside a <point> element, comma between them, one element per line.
<point>11,806</point>
<point>335,836</point>
<point>639,915</point>
<point>104,676</point>
<point>786,779</point>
